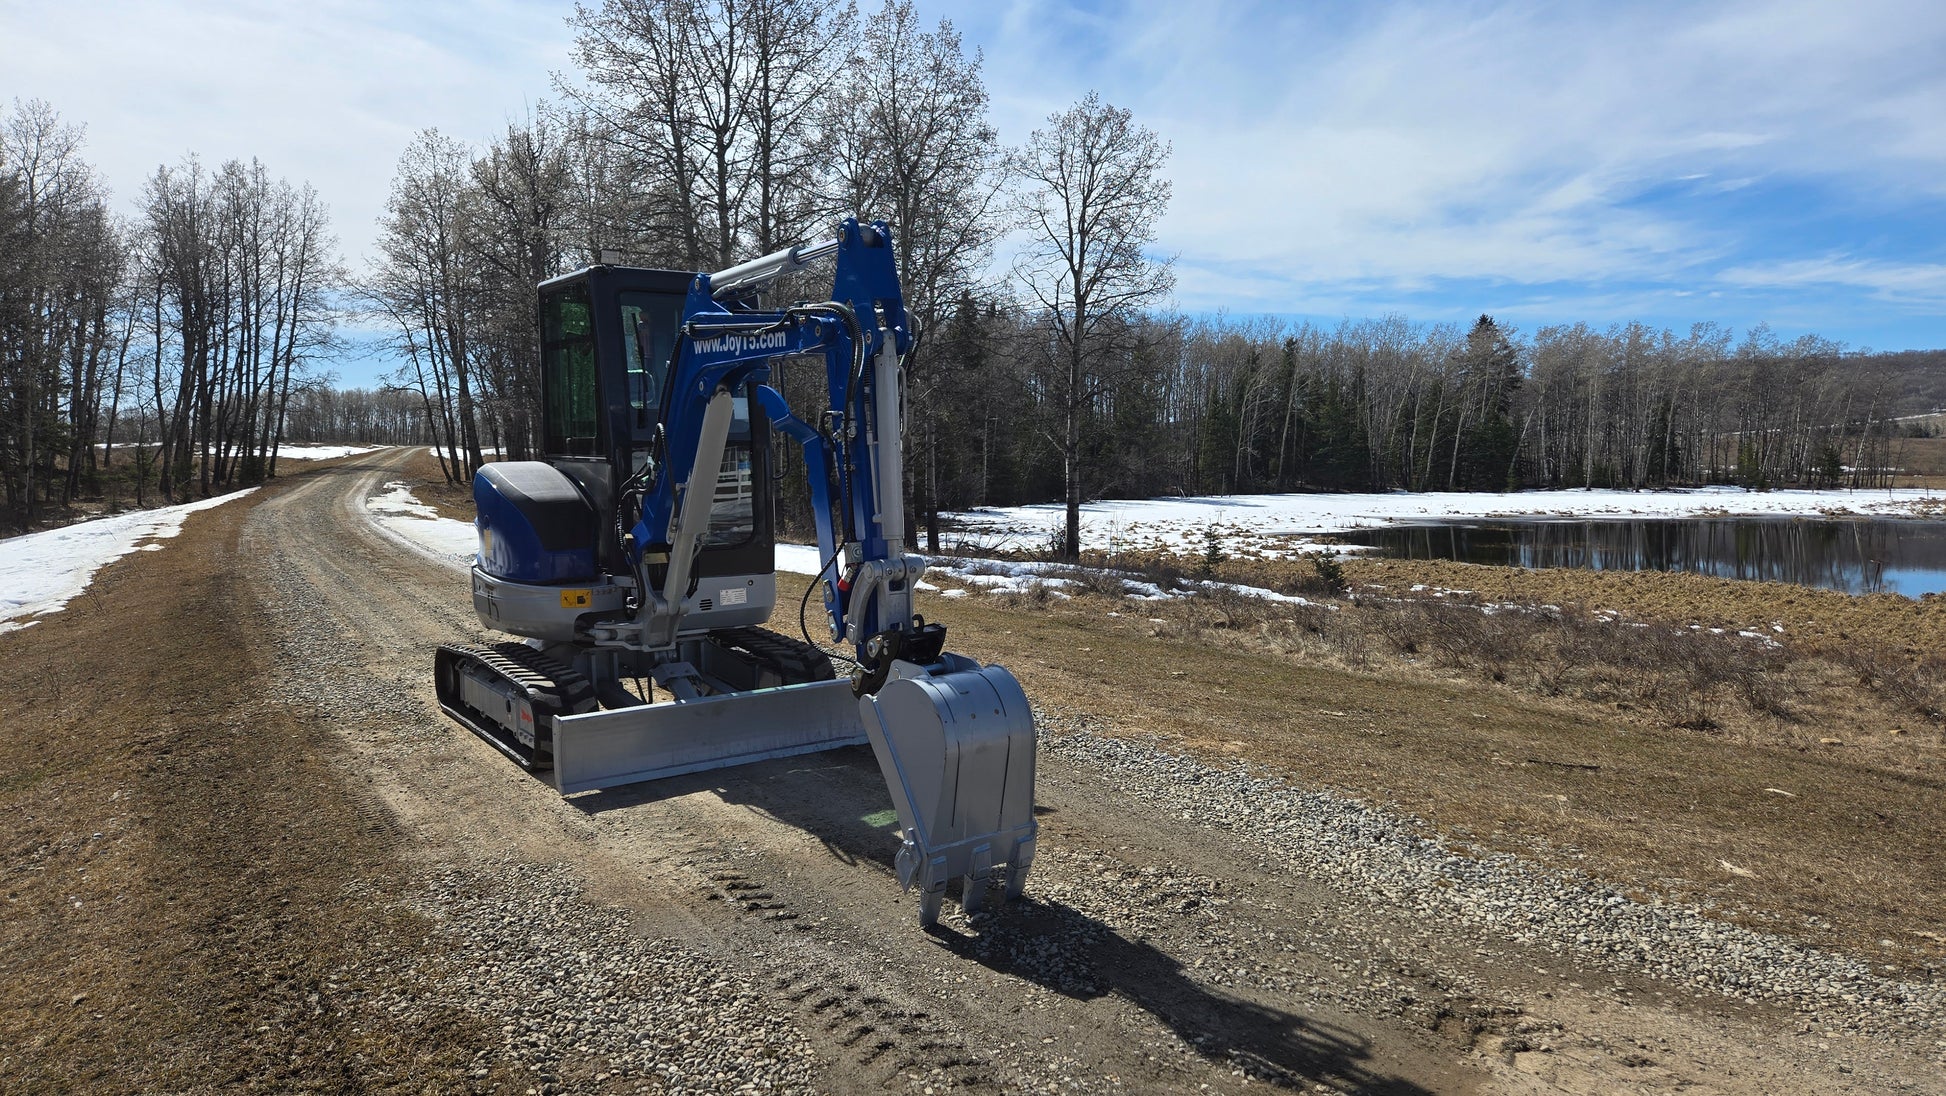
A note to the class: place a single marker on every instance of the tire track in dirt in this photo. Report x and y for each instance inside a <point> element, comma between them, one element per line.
<point>879,1038</point>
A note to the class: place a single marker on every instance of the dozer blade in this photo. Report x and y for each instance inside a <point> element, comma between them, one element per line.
<point>957,751</point>
<point>611,748</point>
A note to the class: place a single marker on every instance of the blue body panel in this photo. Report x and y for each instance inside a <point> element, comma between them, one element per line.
<point>513,548</point>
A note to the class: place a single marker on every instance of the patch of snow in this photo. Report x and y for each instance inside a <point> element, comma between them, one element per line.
<point>1256,592</point>
<point>306,451</point>
<point>41,572</point>
<point>1001,584</point>
<point>1281,525</point>
<point>798,559</point>
<point>419,528</point>
<point>485,451</point>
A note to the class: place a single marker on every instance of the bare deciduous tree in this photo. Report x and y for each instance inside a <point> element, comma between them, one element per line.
<point>521,199</point>
<point>425,288</point>
<point>710,104</point>
<point>1096,192</point>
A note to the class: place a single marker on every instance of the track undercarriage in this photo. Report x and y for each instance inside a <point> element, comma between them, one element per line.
<point>513,694</point>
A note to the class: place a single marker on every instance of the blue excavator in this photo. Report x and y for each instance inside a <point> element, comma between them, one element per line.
<point>642,551</point>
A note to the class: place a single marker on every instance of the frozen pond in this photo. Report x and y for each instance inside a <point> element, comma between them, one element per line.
<point>1857,556</point>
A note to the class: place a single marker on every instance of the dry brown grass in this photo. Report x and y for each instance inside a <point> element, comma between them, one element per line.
<point>1646,755</point>
<point>1924,457</point>
<point>1804,613</point>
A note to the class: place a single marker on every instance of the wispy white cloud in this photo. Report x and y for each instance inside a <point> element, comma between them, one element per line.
<point>1330,145</point>
<point>1328,157</point>
<point>1923,283</point>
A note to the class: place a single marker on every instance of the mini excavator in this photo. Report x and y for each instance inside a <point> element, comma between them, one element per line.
<point>642,550</point>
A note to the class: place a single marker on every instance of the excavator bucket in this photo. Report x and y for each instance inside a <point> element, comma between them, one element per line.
<point>957,752</point>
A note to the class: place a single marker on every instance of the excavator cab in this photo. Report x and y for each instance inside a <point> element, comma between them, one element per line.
<point>608,335</point>
<point>641,551</point>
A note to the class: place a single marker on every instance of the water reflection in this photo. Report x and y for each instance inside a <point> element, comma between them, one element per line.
<point>1857,557</point>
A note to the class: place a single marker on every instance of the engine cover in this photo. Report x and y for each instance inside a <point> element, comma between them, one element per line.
<point>535,525</point>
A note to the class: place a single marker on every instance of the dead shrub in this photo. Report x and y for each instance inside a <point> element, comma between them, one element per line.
<point>1034,595</point>
<point>1316,584</point>
<point>1700,670</point>
<point>1353,645</point>
<point>1476,639</point>
<point>1112,584</point>
<point>1912,684</point>
<point>1228,609</point>
<point>1315,620</point>
<point>1761,675</point>
<point>1402,626</point>
<point>1163,571</point>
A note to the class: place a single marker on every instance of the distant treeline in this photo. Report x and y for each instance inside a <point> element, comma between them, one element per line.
<point>173,351</point>
<point>1225,406</point>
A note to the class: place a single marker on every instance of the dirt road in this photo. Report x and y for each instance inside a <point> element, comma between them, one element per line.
<point>742,930</point>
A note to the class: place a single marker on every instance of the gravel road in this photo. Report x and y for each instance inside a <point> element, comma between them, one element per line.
<point>1188,927</point>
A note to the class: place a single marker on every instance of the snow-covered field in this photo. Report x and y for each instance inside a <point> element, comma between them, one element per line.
<point>798,559</point>
<point>41,572</point>
<point>1271,525</point>
<point>418,527</point>
<point>1280,524</point>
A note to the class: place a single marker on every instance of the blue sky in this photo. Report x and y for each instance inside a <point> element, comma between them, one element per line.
<point>1740,163</point>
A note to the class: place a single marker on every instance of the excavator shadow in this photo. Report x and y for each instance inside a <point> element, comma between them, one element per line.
<point>836,796</point>
<point>839,798</point>
<point>1071,953</point>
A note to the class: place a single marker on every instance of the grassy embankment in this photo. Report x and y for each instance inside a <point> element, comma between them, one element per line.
<point>1791,783</point>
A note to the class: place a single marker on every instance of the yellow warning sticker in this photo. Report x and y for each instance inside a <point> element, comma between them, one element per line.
<point>576,599</point>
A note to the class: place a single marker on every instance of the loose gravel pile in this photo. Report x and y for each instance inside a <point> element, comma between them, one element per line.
<point>582,997</point>
<point>1387,860</point>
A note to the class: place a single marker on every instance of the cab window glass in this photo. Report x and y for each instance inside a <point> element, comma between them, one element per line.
<point>568,365</point>
<point>733,507</point>
<point>649,323</point>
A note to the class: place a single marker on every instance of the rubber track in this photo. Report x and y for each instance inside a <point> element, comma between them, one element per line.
<point>554,687</point>
<point>796,661</point>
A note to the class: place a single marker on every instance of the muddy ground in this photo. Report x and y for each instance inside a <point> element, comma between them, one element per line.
<point>244,850</point>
